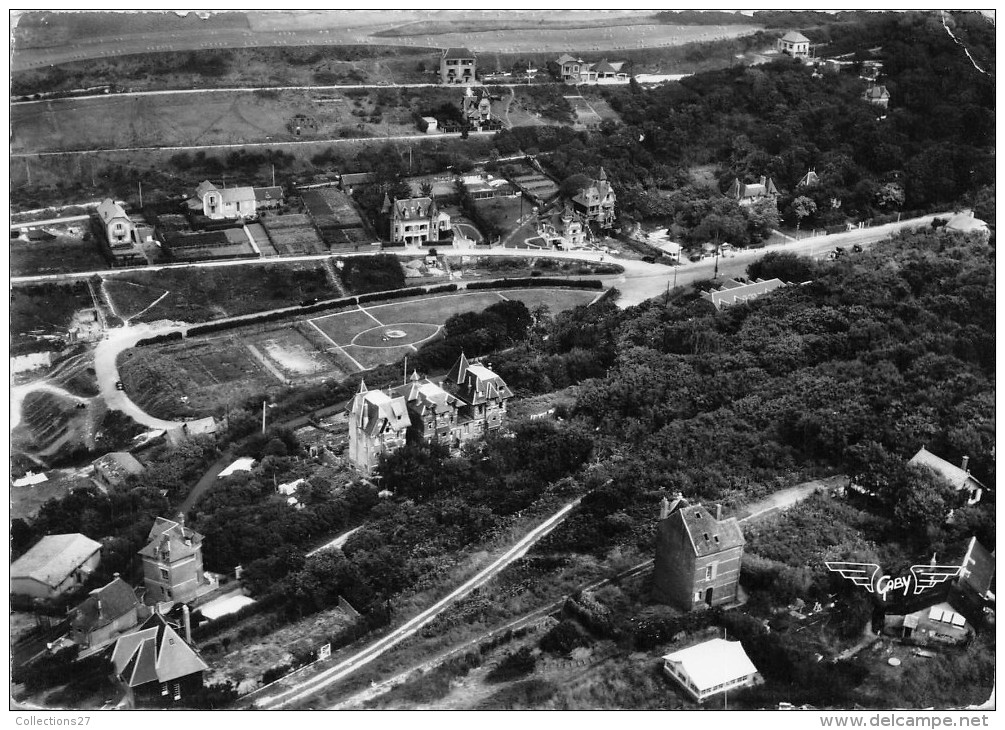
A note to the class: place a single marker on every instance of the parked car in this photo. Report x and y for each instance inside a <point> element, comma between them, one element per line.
<point>856,248</point>
<point>119,385</point>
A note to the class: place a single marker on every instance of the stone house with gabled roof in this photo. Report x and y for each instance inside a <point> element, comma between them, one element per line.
<point>107,612</point>
<point>172,563</point>
<point>698,556</point>
<point>458,66</point>
<point>157,666</point>
<point>417,221</point>
<point>877,94</point>
<point>117,226</point>
<point>469,402</point>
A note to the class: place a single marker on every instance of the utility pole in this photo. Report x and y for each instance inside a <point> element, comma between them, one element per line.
<point>27,167</point>
<point>263,417</point>
<point>273,176</point>
<point>139,183</point>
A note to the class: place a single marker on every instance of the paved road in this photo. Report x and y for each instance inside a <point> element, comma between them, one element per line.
<point>324,679</point>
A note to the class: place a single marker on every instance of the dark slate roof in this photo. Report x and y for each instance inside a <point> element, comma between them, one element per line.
<point>707,535</point>
<point>458,53</point>
<point>273,192</point>
<point>414,208</point>
<point>169,541</point>
<point>154,653</point>
<point>104,605</point>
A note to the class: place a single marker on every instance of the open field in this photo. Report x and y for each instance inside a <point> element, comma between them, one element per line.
<point>291,234</point>
<point>209,374</point>
<point>200,295</point>
<point>46,309</point>
<point>61,255</point>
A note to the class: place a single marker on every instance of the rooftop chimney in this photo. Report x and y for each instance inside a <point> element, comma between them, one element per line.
<point>718,513</point>
<point>664,508</point>
<point>965,463</point>
<point>188,623</point>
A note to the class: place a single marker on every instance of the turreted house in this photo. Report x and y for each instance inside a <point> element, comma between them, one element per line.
<point>468,403</point>
<point>596,201</point>
<point>698,556</point>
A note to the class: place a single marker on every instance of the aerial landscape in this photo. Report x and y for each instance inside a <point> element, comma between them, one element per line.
<point>503,360</point>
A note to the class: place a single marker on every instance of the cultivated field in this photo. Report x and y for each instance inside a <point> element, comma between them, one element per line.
<point>200,295</point>
<point>61,255</point>
<point>209,374</point>
<point>292,234</point>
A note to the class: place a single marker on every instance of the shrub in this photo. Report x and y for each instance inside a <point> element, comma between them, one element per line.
<point>513,666</point>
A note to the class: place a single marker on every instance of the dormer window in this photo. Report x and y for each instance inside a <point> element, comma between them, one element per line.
<point>705,535</point>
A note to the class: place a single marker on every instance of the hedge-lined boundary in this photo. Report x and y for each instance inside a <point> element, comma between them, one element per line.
<point>225,324</point>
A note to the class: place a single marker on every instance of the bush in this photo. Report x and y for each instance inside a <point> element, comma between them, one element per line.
<point>513,666</point>
<point>563,637</point>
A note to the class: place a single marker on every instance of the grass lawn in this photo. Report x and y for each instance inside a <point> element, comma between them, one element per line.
<point>46,308</point>
<point>25,502</point>
<point>200,295</point>
<point>504,213</point>
<point>557,300</point>
<point>434,310</point>
<point>64,254</point>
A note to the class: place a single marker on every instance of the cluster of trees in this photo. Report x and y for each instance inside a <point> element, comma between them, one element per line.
<point>363,274</point>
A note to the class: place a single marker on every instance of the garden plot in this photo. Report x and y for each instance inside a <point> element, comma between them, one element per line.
<point>292,234</point>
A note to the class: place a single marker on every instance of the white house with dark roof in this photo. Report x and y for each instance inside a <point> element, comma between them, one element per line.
<point>711,668</point>
<point>118,227</point>
<point>417,221</point>
<point>55,565</point>
<point>794,44</point>
<point>958,476</point>
<point>458,66</point>
<point>224,203</point>
<point>156,666</point>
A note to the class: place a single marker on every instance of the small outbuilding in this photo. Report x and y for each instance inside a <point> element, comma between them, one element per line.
<point>710,668</point>
<point>55,565</point>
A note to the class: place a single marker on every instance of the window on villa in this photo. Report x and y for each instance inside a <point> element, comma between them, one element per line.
<point>165,574</point>
<point>164,689</point>
<point>177,691</point>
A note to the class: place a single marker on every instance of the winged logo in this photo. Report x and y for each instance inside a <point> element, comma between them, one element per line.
<point>929,576</point>
<point>861,574</point>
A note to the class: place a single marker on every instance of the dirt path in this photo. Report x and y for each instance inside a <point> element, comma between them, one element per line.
<point>312,685</point>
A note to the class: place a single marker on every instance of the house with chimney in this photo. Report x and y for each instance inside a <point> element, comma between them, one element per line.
<point>948,613</point>
<point>794,44</point>
<point>748,194</point>
<point>574,70</point>
<point>458,66</point>
<point>965,484</point>
<point>468,403</point>
<point>698,556</point>
<point>172,564</point>
<point>223,203</point>
<point>417,221</point>
<point>596,201</point>
<point>156,666</point>
<point>562,230</point>
<point>107,612</point>
<point>117,226</point>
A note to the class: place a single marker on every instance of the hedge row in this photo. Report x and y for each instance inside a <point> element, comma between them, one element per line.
<point>159,338</point>
<point>537,281</point>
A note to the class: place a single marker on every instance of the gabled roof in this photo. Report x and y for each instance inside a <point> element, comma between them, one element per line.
<point>108,209</point>
<point>808,180</point>
<point>713,663</point>
<point>566,58</point>
<point>708,536</point>
<point>154,653</point>
<point>374,410</point>
<point>596,192</point>
<point>53,558</point>
<point>794,36</point>
<point>227,195</point>
<point>458,53</point>
<point>481,384</point>
<point>966,222</point>
<point>170,541</point>
<point>204,187</point>
<point>273,192</point>
<point>412,208</point>
<point>605,67</point>
<point>877,92</point>
<point>743,191</point>
<point>104,605</point>
<point>953,474</point>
